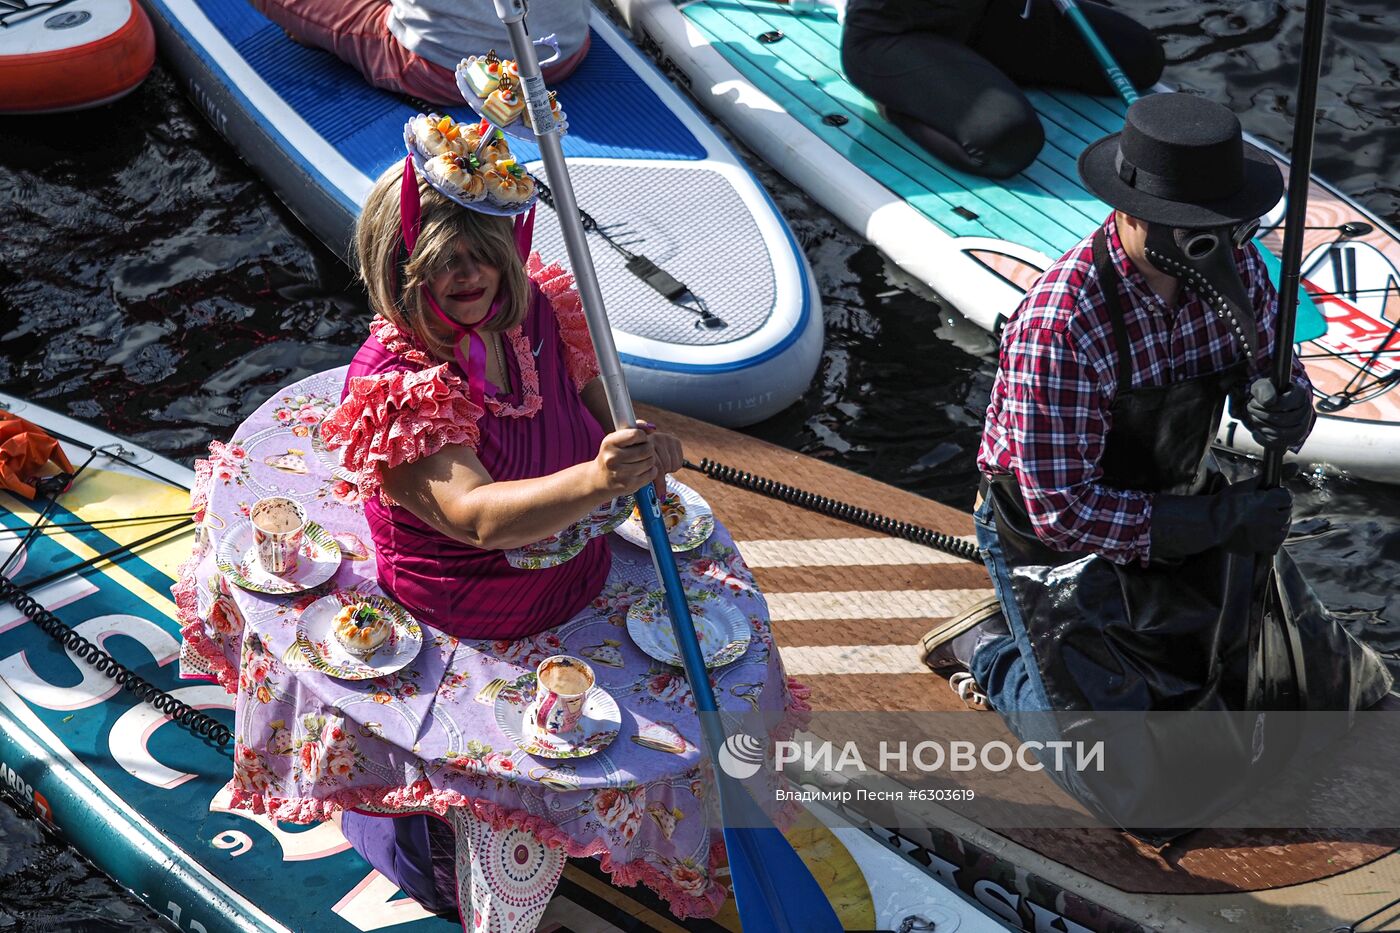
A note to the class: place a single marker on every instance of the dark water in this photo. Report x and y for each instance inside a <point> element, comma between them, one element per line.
<point>149,282</point>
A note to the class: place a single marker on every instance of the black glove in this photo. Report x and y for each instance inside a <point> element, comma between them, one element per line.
<point>1240,518</point>
<point>1278,420</point>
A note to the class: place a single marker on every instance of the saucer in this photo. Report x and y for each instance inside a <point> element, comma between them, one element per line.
<point>323,651</point>
<point>238,561</point>
<point>693,529</point>
<point>722,630</point>
<point>600,724</point>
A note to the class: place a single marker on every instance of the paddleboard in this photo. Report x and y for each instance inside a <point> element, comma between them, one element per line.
<point>71,55</point>
<point>771,73</point>
<point>143,799</point>
<point>658,181</point>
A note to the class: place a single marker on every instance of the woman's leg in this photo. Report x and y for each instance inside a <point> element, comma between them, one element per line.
<point>1046,48</point>
<point>355,31</point>
<point>947,98</point>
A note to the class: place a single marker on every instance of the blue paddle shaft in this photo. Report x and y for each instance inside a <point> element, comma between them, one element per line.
<point>1110,67</point>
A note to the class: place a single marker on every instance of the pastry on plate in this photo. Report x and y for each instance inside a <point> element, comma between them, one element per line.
<point>672,511</point>
<point>452,173</point>
<point>508,184</point>
<point>361,628</point>
<point>483,73</point>
<point>505,103</point>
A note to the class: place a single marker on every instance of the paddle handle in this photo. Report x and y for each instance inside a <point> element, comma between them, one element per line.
<point>1295,217</point>
<point>1115,75</point>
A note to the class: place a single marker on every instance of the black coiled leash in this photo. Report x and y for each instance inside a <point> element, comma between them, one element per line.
<point>187,716</point>
<point>845,511</point>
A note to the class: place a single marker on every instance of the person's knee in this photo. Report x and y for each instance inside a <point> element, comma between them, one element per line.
<point>1005,140</point>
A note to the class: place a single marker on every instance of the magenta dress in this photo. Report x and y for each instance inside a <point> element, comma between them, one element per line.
<point>400,405</point>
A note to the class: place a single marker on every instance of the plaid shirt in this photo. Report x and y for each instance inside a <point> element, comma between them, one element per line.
<point>1049,415</point>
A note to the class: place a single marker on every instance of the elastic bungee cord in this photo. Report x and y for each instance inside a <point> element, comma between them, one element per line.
<point>187,716</point>
<point>180,712</point>
<point>844,511</point>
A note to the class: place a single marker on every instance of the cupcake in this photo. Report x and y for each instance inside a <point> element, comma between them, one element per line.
<point>361,628</point>
<point>508,184</point>
<point>434,135</point>
<point>451,173</point>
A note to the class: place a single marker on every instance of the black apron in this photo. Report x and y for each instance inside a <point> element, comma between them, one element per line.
<point>1173,635</point>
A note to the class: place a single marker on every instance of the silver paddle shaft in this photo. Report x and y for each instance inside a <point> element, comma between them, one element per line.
<point>512,14</point>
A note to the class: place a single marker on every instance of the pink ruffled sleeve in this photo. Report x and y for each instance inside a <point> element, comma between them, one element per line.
<point>558,287</point>
<point>398,417</point>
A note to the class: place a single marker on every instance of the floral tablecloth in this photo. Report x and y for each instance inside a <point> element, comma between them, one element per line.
<point>426,738</point>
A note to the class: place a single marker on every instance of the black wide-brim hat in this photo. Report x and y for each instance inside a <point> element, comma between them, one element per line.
<point>1181,160</point>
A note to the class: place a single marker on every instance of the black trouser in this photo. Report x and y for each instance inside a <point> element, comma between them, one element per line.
<point>961,101</point>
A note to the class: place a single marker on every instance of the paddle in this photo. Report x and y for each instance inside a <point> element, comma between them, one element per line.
<point>1300,171</point>
<point>1115,75</point>
<point>772,886</point>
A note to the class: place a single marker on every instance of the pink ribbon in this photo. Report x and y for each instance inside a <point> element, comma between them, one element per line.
<point>473,362</point>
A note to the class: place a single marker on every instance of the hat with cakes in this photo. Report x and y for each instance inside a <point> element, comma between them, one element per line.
<point>471,164</point>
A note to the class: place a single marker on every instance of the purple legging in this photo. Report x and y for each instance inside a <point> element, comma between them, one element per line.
<point>416,852</point>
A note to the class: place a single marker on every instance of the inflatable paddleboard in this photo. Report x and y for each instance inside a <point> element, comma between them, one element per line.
<point>645,165</point>
<point>143,798</point>
<point>771,73</point>
<point>69,55</point>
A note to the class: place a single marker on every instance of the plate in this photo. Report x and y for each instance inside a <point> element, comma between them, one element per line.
<point>238,561</point>
<point>722,629</point>
<point>318,644</point>
<point>329,457</point>
<point>693,529</point>
<point>566,545</point>
<point>516,127</point>
<point>481,205</point>
<point>596,730</point>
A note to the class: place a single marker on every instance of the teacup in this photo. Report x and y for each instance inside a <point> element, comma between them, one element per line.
<point>279,527</point>
<point>562,683</point>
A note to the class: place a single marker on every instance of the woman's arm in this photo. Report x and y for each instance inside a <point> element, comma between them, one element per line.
<point>452,492</point>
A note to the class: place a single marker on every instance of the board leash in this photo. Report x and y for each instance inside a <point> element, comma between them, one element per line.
<point>845,511</point>
<point>201,724</point>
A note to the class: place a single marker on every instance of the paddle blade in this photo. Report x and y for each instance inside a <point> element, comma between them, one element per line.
<point>773,888</point>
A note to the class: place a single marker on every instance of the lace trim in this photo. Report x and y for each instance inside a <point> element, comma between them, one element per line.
<point>399,417</point>
<point>557,285</point>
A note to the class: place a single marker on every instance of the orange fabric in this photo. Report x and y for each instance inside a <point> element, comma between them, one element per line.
<point>24,450</point>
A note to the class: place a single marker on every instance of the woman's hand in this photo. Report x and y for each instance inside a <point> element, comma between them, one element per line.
<point>626,459</point>
<point>669,456</point>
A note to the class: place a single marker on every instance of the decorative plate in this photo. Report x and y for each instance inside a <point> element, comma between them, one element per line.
<point>566,545</point>
<point>329,457</point>
<point>318,644</point>
<point>690,532</point>
<point>238,561</point>
<point>480,205</point>
<point>722,629</point>
<point>600,724</point>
